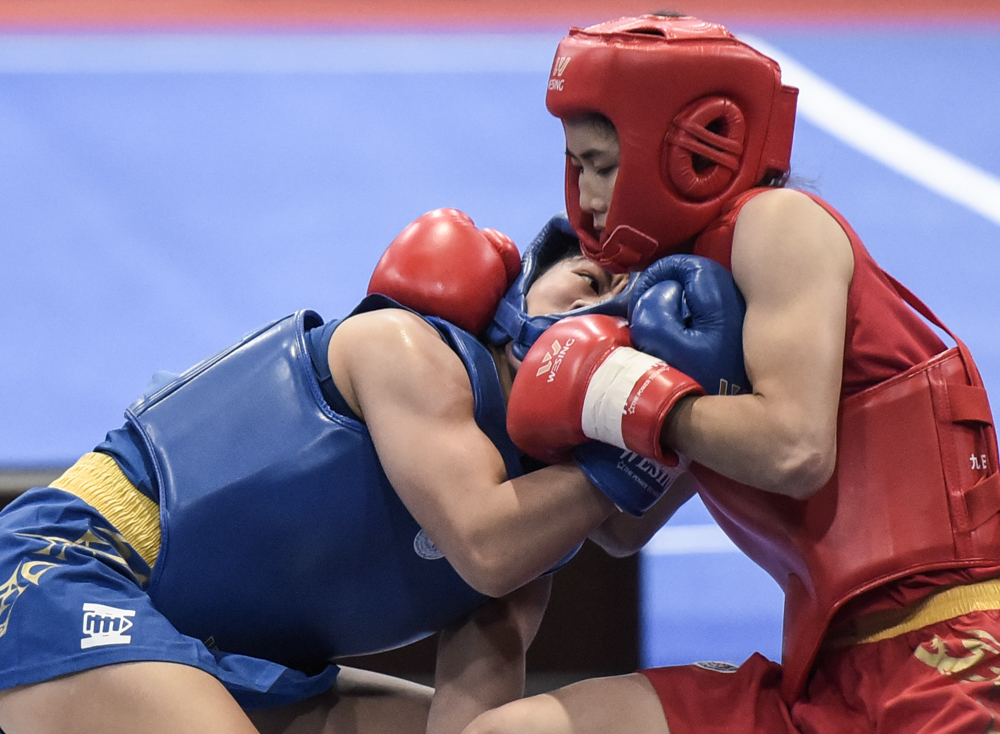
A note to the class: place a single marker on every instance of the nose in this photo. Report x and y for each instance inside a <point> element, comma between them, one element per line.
<point>592,196</point>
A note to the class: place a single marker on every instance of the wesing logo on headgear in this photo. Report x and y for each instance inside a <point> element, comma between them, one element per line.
<point>558,67</point>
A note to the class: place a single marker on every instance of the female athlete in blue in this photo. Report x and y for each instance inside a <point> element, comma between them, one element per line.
<point>315,491</point>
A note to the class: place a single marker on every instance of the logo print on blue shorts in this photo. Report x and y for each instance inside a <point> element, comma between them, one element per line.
<point>103,625</point>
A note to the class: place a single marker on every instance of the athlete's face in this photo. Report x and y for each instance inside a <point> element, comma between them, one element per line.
<point>594,153</point>
<point>571,283</point>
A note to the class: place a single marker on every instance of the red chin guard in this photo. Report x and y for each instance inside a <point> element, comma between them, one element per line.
<point>701,117</point>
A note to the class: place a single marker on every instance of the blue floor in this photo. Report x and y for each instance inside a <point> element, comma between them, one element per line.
<point>162,195</point>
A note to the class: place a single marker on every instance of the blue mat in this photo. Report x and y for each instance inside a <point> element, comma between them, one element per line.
<point>163,194</point>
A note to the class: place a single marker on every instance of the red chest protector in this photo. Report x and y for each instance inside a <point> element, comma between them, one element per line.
<point>915,489</point>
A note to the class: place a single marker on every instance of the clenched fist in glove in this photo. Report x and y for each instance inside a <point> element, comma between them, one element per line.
<point>583,380</point>
<point>687,311</point>
<point>631,481</point>
<point>442,265</point>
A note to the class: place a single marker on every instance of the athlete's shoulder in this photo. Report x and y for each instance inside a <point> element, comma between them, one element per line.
<point>787,216</point>
<point>789,236</point>
<point>388,354</point>
<point>781,203</point>
<point>386,327</point>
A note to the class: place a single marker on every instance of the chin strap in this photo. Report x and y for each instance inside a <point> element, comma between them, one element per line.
<point>626,248</point>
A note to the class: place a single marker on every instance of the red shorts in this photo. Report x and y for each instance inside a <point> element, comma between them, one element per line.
<point>941,679</point>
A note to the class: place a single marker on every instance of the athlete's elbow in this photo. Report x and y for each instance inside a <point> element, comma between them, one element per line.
<point>485,568</point>
<point>490,580</point>
<point>804,470</point>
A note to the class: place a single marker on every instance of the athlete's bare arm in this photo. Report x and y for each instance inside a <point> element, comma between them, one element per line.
<point>624,535</point>
<point>415,396</point>
<point>793,263</point>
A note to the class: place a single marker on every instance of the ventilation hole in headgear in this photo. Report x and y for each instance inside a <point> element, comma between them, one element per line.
<point>648,31</point>
<point>702,163</point>
<point>717,126</point>
<point>703,148</point>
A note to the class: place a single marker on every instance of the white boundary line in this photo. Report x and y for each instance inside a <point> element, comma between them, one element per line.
<point>821,103</point>
<point>829,109</point>
<point>846,119</point>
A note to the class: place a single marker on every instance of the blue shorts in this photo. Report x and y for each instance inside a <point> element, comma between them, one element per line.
<point>72,597</point>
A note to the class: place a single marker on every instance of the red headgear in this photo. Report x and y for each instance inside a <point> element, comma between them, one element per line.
<point>700,116</point>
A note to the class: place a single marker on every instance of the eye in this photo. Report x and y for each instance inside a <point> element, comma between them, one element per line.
<point>606,171</point>
<point>592,282</point>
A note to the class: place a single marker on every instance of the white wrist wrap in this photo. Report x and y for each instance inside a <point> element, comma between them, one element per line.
<point>608,393</point>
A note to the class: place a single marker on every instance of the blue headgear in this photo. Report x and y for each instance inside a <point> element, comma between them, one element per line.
<point>512,323</point>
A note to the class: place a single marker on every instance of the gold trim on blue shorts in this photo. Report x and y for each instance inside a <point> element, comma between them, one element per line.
<point>98,480</point>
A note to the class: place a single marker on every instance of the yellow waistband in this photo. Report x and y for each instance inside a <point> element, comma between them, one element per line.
<point>946,604</point>
<point>98,481</point>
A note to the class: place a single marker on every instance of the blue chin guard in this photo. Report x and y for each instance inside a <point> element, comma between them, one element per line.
<point>512,323</point>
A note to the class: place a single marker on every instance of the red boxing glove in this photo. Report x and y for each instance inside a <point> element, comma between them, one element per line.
<point>583,380</point>
<point>441,265</point>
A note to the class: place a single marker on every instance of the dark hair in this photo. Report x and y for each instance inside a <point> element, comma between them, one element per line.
<point>561,246</point>
<point>600,122</point>
<point>774,179</point>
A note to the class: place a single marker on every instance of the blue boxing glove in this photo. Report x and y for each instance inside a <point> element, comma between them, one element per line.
<point>631,481</point>
<point>687,311</point>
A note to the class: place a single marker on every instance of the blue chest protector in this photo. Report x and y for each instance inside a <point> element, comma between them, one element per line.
<point>281,535</point>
